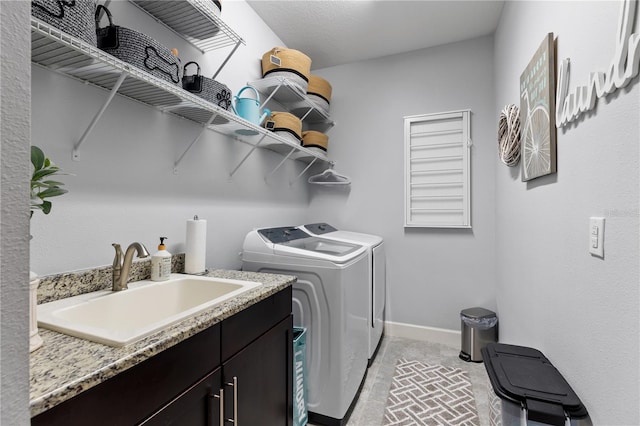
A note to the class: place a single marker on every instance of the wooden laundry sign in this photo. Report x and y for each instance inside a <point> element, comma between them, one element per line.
<point>623,68</point>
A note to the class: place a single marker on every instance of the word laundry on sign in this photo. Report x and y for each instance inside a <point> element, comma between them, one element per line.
<point>623,68</point>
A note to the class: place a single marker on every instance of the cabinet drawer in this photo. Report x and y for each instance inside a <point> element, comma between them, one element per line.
<point>195,406</point>
<point>246,326</point>
<point>136,393</point>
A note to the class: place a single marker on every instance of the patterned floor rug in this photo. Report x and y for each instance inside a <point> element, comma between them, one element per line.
<point>424,394</point>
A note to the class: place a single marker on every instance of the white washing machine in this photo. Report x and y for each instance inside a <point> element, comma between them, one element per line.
<point>328,302</point>
<point>377,276</point>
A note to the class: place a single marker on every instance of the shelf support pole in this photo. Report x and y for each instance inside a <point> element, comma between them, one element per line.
<point>304,171</point>
<point>305,116</point>
<point>273,92</point>
<point>227,59</point>
<point>197,138</point>
<point>96,118</point>
<point>253,148</point>
<point>281,163</point>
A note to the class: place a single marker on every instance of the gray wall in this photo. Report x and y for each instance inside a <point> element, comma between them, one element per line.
<point>581,311</point>
<point>431,273</point>
<point>529,240</point>
<point>14,216</point>
<point>123,189</point>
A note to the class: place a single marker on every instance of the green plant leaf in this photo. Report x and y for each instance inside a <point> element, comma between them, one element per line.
<point>38,185</point>
<point>39,174</point>
<point>37,157</point>
<point>42,189</point>
<point>46,207</point>
<point>52,192</point>
<point>52,183</point>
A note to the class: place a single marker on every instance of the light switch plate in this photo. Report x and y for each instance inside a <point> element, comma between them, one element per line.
<point>596,236</point>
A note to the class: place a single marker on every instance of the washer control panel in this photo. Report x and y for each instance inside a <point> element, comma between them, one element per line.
<point>320,228</point>
<point>283,234</point>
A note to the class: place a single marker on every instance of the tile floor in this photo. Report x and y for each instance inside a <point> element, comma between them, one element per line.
<point>369,409</point>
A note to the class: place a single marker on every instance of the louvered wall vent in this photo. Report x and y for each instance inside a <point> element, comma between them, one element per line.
<point>437,170</point>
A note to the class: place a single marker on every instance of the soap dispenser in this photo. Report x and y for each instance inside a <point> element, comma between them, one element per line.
<point>161,263</point>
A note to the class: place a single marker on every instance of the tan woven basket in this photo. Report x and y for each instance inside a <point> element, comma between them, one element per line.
<point>289,63</point>
<point>314,139</point>
<point>320,87</point>
<point>285,123</point>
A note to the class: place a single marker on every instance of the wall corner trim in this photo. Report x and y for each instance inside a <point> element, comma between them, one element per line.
<point>424,333</point>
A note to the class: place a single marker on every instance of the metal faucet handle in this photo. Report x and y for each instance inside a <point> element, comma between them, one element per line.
<point>117,264</point>
<point>122,264</point>
<point>141,250</point>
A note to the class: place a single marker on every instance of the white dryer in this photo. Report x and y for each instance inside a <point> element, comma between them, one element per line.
<point>377,276</point>
<point>328,302</point>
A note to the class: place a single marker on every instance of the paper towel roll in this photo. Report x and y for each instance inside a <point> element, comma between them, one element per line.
<point>196,246</point>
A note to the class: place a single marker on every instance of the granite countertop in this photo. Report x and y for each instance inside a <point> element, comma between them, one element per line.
<point>65,366</point>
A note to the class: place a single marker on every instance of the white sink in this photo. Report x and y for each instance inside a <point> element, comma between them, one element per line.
<point>120,318</point>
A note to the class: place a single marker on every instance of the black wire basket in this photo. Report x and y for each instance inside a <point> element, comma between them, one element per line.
<point>74,17</point>
<point>137,49</point>
<point>207,88</point>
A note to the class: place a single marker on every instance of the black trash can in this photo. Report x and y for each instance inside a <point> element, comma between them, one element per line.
<point>479,326</point>
<point>526,387</point>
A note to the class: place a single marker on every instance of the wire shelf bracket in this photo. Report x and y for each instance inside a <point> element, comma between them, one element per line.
<point>253,148</point>
<point>222,65</point>
<point>76,148</point>
<point>291,182</point>
<point>266,178</point>
<point>193,142</point>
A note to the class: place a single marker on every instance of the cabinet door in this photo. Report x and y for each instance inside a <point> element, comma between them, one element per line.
<point>258,380</point>
<point>197,406</point>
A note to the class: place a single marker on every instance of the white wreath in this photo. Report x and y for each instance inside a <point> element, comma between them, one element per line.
<point>509,135</point>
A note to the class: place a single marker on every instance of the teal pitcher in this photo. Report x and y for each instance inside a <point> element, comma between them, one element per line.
<point>249,108</point>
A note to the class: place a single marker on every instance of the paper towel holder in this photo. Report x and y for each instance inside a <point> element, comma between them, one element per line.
<point>195,246</point>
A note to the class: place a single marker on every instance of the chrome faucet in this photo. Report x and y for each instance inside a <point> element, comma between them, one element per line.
<point>122,265</point>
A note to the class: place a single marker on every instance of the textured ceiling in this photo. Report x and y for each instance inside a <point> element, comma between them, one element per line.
<point>334,32</point>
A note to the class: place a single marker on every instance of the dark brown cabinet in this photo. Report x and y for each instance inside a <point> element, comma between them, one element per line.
<point>243,366</point>
<point>198,405</point>
<point>257,381</point>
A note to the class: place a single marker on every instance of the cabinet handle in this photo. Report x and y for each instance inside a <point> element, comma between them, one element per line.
<point>234,384</point>
<point>220,407</point>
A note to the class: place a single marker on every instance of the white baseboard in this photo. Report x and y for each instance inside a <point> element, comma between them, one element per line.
<point>419,332</point>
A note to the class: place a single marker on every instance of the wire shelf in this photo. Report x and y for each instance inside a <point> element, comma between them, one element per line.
<point>296,101</point>
<point>62,53</point>
<point>196,21</point>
